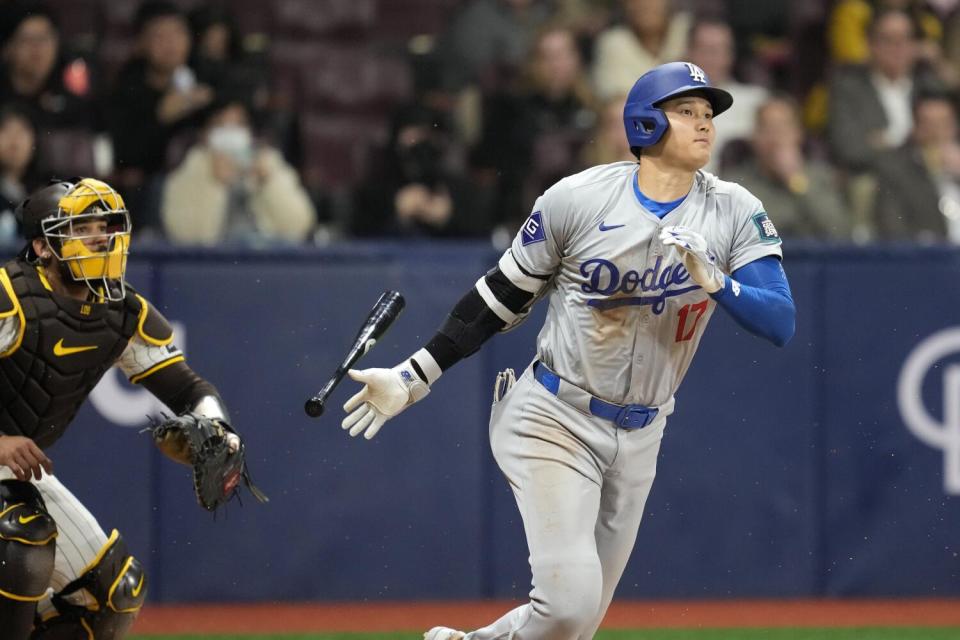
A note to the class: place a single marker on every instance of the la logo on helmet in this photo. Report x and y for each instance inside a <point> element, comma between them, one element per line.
<point>696,72</point>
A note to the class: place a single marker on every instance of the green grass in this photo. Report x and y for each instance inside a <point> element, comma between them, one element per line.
<point>865,633</point>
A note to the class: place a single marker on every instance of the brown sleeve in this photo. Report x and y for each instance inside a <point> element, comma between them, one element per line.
<point>152,327</point>
<point>179,387</point>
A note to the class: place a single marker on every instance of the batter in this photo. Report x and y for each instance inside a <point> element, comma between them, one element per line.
<point>633,258</point>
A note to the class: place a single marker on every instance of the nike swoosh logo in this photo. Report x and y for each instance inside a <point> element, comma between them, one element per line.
<point>613,226</point>
<point>60,350</point>
<point>136,592</point>
<point>23,520</point>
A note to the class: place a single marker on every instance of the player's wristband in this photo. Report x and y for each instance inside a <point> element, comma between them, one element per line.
<point>426,366</point>
<point>729,287</point>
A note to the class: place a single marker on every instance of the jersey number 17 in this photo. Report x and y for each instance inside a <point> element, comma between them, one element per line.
<point>693,313</point>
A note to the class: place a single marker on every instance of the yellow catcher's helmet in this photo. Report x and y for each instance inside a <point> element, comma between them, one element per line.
<point>69,216</point>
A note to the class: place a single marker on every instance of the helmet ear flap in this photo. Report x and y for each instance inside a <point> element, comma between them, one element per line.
<point>645,126</point>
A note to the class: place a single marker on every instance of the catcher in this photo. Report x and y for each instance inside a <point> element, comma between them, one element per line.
<point>66,316</point>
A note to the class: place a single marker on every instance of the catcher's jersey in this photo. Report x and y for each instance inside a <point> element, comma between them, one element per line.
<point>624,317</point>
<point>54,349</point>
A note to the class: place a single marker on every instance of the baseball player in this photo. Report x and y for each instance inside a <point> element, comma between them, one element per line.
<point>66,316</point>
<point>634,257</point>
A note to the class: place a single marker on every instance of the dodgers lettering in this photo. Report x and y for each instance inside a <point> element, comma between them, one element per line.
<point>654,279</point>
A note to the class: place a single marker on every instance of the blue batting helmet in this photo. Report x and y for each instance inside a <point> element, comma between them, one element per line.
<point>642,116</point>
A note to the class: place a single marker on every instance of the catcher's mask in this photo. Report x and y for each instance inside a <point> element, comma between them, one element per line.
<point>87,227</point>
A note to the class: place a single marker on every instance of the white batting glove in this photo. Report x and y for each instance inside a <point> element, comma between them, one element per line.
<point>699,261</point>
<point>386,392</point>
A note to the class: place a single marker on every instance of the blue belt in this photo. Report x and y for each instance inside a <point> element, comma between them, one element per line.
<point>629,416</point>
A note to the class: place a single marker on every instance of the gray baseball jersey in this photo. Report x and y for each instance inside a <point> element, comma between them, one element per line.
<point>621,304</point>
<point>623,323</point>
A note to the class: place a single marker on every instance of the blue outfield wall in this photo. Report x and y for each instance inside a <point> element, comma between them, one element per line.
<point>784,472</point>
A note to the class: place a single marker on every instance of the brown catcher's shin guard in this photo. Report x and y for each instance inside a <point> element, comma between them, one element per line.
<point>27,550</point>
<point>117,581</point>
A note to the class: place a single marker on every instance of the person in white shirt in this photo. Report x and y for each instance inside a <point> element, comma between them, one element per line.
<point>711,48</point>
<point>652,33</point>
<point>869,110</point>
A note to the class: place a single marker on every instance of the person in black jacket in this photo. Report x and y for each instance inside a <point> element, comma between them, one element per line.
<point>412,191</point>
<point>57,88</point>
<point>156,97</point>
<point>919,182</point>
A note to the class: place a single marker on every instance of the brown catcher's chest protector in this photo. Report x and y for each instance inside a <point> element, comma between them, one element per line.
<point>66,348</point>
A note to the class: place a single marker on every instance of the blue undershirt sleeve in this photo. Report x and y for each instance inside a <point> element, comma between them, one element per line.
<point>758,297</point>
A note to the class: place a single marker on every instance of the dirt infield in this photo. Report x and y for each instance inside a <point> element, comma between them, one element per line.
<point>353,617</point>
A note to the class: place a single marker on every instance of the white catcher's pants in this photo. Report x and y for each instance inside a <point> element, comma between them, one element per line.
<point>79,537</point>
<point>581,484</point>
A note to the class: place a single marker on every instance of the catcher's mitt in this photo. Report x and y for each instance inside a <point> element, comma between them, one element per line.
<point>203,444</point>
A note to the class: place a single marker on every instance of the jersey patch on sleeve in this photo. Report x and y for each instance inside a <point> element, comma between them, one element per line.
<point>768,232</point>
<point>532,230</point>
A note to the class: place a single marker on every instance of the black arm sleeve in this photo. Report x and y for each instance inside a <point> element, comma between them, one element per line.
<point>179,387</point>
<point>472,322</point>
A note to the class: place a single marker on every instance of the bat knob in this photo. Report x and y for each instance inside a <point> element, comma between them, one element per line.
<point>314,407</point>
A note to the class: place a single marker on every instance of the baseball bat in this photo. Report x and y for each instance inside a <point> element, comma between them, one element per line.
<point>380,318</point>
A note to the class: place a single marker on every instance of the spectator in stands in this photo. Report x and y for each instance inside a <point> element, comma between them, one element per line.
<point>919,182</point>
<point>412,192</point>
<point>532,134</point>
<point>870,104</point>
<point>18,173</point>
<point>231,189</point>
<point>218,56</point>
<point>800,194</point>
<point>763,31</point>
<point>56,88</point>
<point>711,48</point>
<point>483,49</point>
<point>488,36</point>
<point>156,97</point>
<point>653,33</point>
<point>870,108</point>
<point>608,142</point>
<point>849,24</point>
<point>587,18</point>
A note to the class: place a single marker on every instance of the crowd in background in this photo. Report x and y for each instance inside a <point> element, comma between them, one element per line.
<point>309,121</point>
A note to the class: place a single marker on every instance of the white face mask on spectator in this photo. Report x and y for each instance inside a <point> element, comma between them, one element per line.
<point>232,140</point>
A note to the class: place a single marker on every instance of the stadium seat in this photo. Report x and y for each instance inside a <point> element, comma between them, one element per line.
<point>352,77</point>
<point>323,18</point>
<point>336,149</point>
<point>81,21</point>
<point>339,77</point>
<point>253,16</point>
<point>556,154</point>
<point>67,152</point>
<point>400,19</point>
